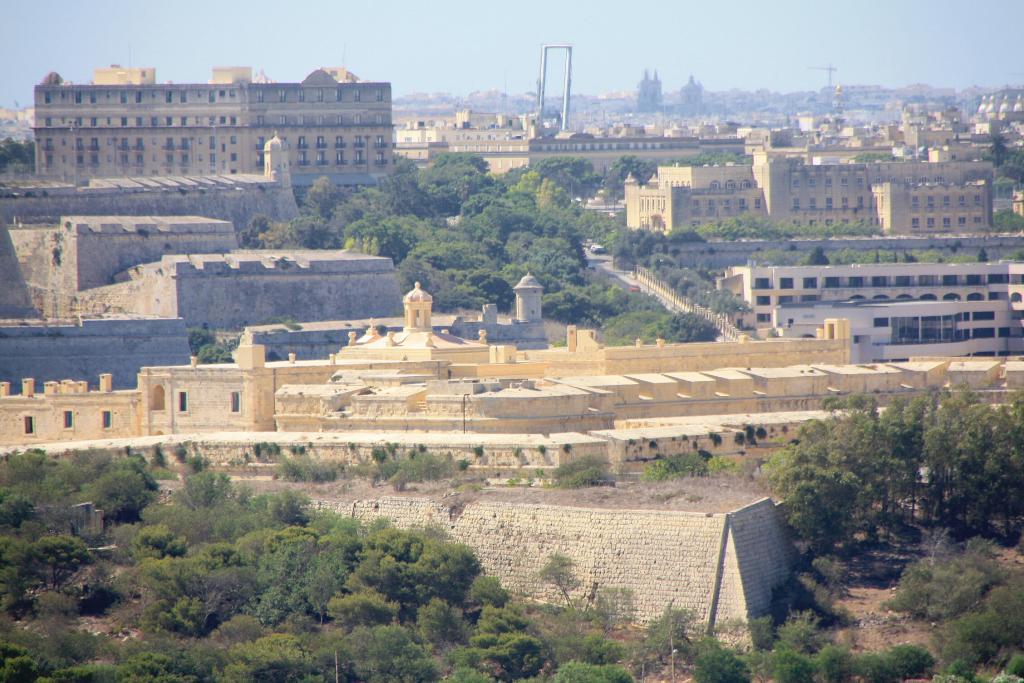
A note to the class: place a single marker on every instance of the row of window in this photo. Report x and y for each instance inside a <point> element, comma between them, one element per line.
<point>915,201</point>
<point>339,142</point>
<point>106,421</point>
<point>853,281</point>
<point>844,181</point>
<point>812,203</point>
<point>947,221</point>
<point>93,96</point>
<point>339,159</point>
<point>379,119</point>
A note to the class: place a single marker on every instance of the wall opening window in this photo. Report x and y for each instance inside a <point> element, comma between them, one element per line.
<point>69,419</point>
<point>182,401</point>
<point>108,419</point>
<point>236,402</point>
<point>30,424</point>
<point>156,398</point>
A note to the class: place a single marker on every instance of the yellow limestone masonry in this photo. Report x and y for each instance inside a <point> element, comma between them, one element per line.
<point>720,566</point>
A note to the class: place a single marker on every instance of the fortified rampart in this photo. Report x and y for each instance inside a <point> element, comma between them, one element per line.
<point>232,290</point>
<point>55,350</point>
<point>720,566</point>
<point>84,252</point>
<point>234,198</point>
<point>15,301</point>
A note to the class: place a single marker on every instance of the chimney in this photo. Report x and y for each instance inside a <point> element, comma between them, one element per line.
<point>28,387</point>
<point>106,382</point>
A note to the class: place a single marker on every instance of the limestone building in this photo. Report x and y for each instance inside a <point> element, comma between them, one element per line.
<point>907,197</point>
<point>125,123</point>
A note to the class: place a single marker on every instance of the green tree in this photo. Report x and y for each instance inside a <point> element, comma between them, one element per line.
<point>57,558</point>
<point>560,572</point>
<point>277,658</point>
<point>321,198</point>
<point>623,167</point>
<point>817,257</point>
<point>439,623</point>
<point>835,664</point>
<point>581,672</point>
<point>388,654</point>
<point>718,665</point>
<point>365,608</point>
<point>792,667</point>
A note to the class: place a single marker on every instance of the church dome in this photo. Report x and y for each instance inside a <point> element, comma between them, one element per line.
<point>52,78</point>
<point>417,295</point>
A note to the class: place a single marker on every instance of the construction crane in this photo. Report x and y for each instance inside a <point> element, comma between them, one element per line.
<point>830,69</point>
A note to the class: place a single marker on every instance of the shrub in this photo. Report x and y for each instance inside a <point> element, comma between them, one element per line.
<point>590,470</point>
<point>676,467</point>
<point>940,590</point>
<point>305,468</point>
<point>1015,667</point>
<point>718,665</point>
<point>910,661</point>
<point>792,667</point>
<point>875,668</point>
<point>835,664</point>
<point>365,608</point>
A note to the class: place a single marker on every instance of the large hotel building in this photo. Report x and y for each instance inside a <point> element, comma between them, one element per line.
<point>125,123</point>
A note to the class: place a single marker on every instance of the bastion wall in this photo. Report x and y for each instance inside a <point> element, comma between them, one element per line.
<point>231,198</point>
<point>719,566</point>
<point>84,349</point>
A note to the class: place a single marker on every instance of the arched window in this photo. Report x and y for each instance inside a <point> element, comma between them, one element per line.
<point>715,185</point>
<point>952,296</point>
<point>1015,298</point>
<point>880,297</point>
<point>976,296</point>
<point>904,296</point>
<point>156,398</point>
<point>928,297</point>
<point>730,184</point>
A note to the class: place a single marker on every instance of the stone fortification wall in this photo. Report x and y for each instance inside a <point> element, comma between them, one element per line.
<point>722,254</point>
<point>83,252</point>
<point>83,350</point>
<point>719,566</point>
<point>233,290</point>
<point>231,198</point>
<point>15,301</point>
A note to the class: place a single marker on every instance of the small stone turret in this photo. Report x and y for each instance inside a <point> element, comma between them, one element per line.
<point>275,161</point>
<point>418,305</point>
<point>528,299</point>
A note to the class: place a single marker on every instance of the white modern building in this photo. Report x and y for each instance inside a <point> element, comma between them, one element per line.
<point>896,311</point>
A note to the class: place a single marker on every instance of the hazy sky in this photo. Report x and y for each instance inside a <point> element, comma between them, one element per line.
<point>458,47</point>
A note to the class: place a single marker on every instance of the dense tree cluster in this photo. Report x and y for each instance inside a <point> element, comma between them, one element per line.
<point>469,236</point>
<point>18,156</point>
<point>948,460</point>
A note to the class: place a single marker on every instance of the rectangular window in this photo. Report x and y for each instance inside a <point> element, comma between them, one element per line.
<point>764,317</point>
<point>69,419</point>
<point>881,322</point>
<point>108,419</point>
<point>764,301</point>
<point>182,401</point>
<point>983,315</point>
<point>236,402</point>
<point>810,283</point>
<point>832,282</point>
<point>762,283</point>
<point>30,424</point>
<point>786,283</point>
